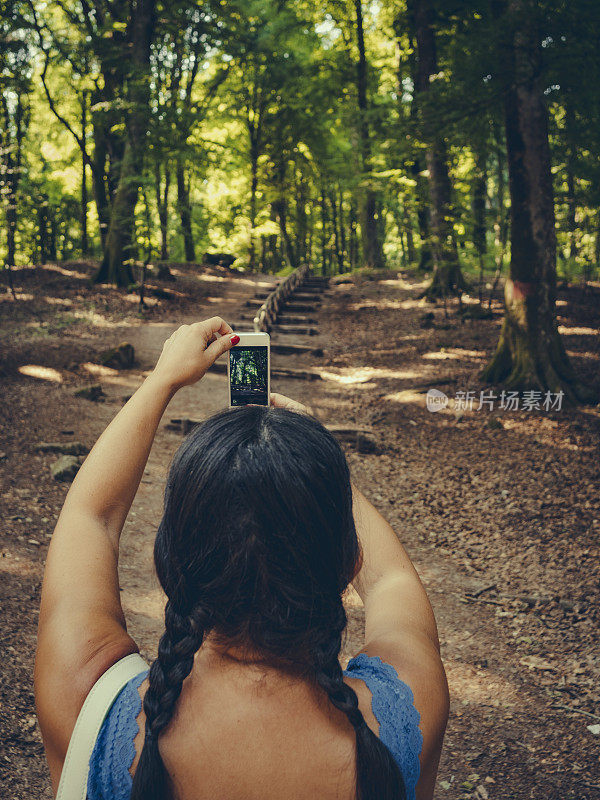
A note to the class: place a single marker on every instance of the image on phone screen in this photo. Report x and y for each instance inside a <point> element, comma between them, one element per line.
<point>248,375</point>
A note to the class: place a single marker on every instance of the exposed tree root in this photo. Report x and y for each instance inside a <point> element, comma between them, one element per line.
<point>537,362</point>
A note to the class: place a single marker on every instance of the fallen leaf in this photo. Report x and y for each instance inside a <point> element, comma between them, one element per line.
<point>595,729</point>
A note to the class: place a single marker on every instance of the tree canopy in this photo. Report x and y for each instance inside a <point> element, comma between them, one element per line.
<point>352,134</point>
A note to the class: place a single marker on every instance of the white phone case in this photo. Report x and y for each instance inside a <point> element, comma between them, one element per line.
<point>251,339</point>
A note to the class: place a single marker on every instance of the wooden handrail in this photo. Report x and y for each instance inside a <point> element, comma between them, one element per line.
<point>266,316</point>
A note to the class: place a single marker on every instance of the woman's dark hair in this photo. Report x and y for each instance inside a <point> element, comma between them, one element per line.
<point>257,543</point>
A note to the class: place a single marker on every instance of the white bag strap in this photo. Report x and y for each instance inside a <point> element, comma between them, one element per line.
<point>74,777</point>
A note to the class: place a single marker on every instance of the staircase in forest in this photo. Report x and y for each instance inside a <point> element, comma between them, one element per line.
<point>290,314</point>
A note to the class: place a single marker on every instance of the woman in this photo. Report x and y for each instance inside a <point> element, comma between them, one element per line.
<point>261,534</point>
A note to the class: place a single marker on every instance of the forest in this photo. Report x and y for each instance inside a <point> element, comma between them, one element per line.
<point>405,194</point>
<point>459,139</point>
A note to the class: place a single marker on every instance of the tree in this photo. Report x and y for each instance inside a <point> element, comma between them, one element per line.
<point>116,263</point>
<point>184,43</point>
<point>94,43</point>
<point>447,275</point>
<point>530,352</point>
<point>15,86</point>
<point>372,250</point>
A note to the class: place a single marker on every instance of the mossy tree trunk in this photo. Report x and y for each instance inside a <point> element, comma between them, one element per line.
<point>447,276</point>
<point>530,353</point>
<point>116,266</point>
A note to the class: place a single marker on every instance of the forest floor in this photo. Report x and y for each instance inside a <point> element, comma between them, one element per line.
<point>498,509</point>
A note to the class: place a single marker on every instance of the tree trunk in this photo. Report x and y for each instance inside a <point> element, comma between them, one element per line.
<point>273,244</point>
<point>372,251</point>
<point>571,168</point>
<point>185,212</point>
<point>301,220</point>
<point>479,213</point>
<point>324,249</point>
<point>530,353</point>
<point>11,148</point>
<point>309,242</point>
<point>410,242</point>
<point>342,231</point>
<point>263,254</point>
<point>353,251</point>
<point>447,275</point>
<point>501,220</point>
<point>11,228</point>
<point>116,264</point>
<point>42,224</point>
<point>281,209</point>
<point>99,176</point>
<point>162,202</point>
<point>51,222</point>
<point>597,242</point>
<point>84,192</point>
<point>11,210</point>
<point>336,237</point>
<point>421,197</point>
<point>421,191</point>
<point>253,190</point>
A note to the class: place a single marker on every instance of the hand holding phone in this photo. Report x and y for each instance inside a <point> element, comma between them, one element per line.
<point>249,370</point>
<point>191,350</point>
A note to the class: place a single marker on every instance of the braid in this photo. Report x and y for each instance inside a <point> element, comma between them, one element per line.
<point>377,774</point>
<point>182,638</point>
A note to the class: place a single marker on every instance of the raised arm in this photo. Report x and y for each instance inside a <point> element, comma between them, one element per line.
<point>81,630</point>
<point>400,628</point>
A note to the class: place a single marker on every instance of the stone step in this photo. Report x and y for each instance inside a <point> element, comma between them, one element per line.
<point>289,349</point>
<point>309,298</point>
<point>298,330</point>
<point>282,319</point>
<point>286,319</point>
<point>303,307</point>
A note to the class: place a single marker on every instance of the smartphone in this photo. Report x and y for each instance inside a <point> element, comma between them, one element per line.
<point>249,370</point>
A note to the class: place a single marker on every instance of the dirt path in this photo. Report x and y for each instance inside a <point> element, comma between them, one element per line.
<point>504,739</point>
<point>478,506</point>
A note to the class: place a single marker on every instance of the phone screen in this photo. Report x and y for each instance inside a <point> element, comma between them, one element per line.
<point>248,375</point>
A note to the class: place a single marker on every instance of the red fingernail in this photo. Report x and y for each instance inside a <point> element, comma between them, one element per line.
<point>235,339</point>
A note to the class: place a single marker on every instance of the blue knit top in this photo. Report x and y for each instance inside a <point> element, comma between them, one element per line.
<point>392,704</point>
